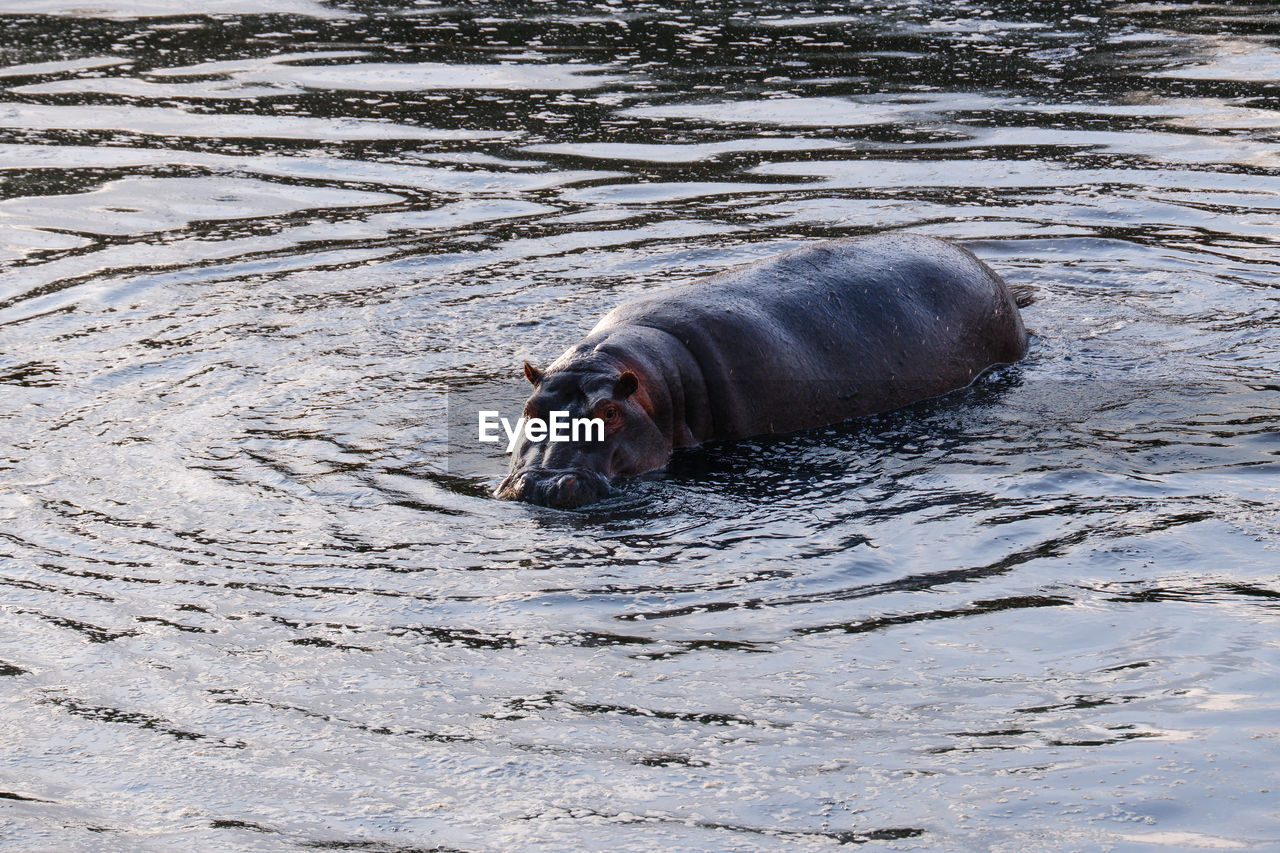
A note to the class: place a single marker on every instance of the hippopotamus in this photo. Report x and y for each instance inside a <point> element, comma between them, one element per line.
<point>812,337</point>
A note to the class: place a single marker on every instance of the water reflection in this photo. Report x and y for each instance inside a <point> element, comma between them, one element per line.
<point>257,263</point>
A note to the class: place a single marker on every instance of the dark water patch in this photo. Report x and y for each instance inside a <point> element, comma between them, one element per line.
<point>1016,739</point>
<point>232,823</point>
<point>554,700</point>
<point>691,646</point>
<point>1076,703</point>
<point>169,623</point>
<point>29,375</point>
<point>379,847</point>
<point>92,633</point>
<point>59,590</point>
<point>225,697</point>
<point>322,643</point>
<point>108,714</point>
<point>9,795</point>
<point>838,836</point>
<point>841,837</point>
<point>1142,664</point>
<point>1188,591</point>
<point>978,608</point>
<point>1121,736</point>
<point>670,760</point>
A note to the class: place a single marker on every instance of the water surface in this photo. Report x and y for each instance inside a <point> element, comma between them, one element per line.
<point>261,263</point>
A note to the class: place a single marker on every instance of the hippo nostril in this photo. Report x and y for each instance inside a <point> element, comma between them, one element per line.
<point>562,489</point>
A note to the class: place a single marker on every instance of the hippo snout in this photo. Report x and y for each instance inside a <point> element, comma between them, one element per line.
<point>559,489</point>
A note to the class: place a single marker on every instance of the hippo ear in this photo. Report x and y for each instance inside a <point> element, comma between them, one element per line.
<point>626,385</point>
<point>533,374</point>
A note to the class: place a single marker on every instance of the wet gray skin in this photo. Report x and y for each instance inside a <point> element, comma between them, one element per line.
<point>827,332</point>
<point>569,474</point>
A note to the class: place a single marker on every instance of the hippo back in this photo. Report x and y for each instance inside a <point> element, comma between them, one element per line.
<point>832,331</point>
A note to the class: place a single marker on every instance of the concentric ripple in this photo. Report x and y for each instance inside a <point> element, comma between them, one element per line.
<point>261,264</point>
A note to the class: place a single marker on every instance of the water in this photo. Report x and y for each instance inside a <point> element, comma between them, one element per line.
<point>258,257</point>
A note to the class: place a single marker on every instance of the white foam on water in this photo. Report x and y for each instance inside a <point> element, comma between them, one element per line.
<point>1230,59</point>
<point>681,152</point>
<point>59,66</point>
<point>829,111</point>
<point>415,77</point>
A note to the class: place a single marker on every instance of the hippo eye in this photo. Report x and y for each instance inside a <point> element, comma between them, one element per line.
<point>610,413</point>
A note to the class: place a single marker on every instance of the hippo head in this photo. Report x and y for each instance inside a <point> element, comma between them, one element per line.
<point>605,431</point>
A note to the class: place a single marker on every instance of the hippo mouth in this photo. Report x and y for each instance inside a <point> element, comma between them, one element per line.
<point>563,489</point>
